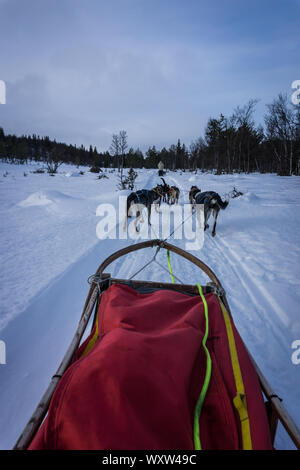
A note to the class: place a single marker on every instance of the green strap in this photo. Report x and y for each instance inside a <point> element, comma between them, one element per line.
<point>197,442</point>
<point>170,267</point>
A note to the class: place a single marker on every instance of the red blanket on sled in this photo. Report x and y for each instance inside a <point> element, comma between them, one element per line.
<point>138,385</point>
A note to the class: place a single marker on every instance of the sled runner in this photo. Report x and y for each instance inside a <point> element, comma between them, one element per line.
<point>163,368</point>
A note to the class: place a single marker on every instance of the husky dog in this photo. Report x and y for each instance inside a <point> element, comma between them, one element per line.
<point>193,191</point>
<point>165,188</point>
<point>212,204</point>
<point>173,195</point>
<point>140,199</point>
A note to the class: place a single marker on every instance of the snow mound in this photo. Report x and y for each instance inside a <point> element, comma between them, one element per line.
<point>73,174</point>
<point>35,199</point>
<point>250,197</point>
<point>43,198</point>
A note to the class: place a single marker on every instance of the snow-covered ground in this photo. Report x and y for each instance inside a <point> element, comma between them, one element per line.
<point>49,247</point>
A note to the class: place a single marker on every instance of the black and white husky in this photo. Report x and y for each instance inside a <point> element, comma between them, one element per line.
<point>212,204</point>
<point>138,201</point>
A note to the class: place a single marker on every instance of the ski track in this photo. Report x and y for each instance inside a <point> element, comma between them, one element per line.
<point>257,294</point>
<point>260,324</point>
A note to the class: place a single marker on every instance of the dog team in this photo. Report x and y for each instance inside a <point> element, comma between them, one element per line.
<point>211,201</point>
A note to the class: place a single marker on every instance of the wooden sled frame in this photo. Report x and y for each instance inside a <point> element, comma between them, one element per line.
<point>100,282</point>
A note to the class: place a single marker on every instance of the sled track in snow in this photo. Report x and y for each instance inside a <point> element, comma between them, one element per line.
<point>260,300</point>
<point>249,282</point>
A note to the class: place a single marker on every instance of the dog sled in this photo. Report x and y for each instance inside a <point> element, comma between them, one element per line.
<point>163,368</point>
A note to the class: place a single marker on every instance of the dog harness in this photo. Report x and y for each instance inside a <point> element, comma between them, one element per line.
<point>146,194</point>
<point>204,198</point>
<point>142,192</point>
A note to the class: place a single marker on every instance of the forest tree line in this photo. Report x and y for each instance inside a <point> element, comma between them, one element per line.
<point>229,144</point>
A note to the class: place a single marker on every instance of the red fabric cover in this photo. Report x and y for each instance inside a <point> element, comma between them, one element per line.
<point>138,386</point>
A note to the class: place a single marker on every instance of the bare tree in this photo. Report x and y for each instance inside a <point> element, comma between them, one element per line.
<point>123,147</point>
<point>118,148</point>
<point>243,117</point>
<point>197,154</point>
<point>230,135</point>
<point>53,159</point>
<point>281,131</point>
<point>52,166</point>
<point>115,148</point>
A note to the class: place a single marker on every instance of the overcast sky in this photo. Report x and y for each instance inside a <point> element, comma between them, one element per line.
<point>81,70</point>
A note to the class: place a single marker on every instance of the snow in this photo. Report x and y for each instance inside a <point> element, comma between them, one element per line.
<point>49,248</point>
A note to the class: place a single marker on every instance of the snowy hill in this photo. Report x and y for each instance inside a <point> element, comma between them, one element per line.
<point>49,247</point>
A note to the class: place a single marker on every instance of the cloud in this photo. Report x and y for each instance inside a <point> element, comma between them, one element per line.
<point>81,74</point>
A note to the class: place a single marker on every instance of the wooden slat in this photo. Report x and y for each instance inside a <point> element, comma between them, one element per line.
<point>272,419</point>
<point>278,408</point>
